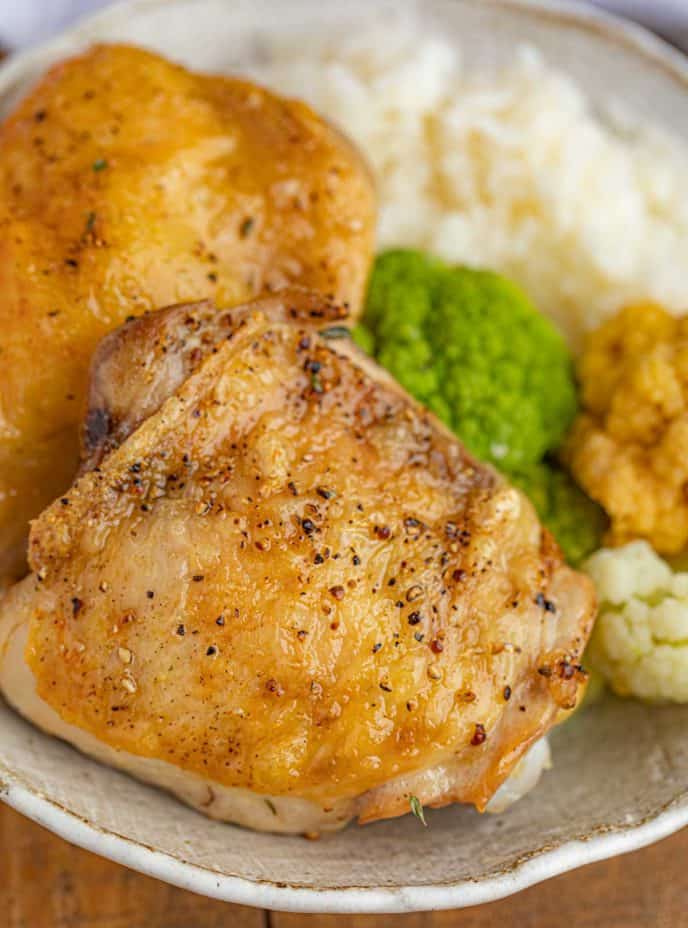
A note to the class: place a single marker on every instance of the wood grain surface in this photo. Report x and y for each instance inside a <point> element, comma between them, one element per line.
<point>47,883</point>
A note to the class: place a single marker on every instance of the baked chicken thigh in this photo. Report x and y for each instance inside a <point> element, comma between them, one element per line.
<point>128,183</point>
<point>283,590</point>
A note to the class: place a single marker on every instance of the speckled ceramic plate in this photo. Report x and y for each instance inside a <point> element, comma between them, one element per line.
<point>621,769</point>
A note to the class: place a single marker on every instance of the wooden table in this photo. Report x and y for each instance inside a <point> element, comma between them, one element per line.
<point>46,883</point>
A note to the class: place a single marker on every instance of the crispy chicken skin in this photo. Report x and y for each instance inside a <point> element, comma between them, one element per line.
<point>289,580</point>
<point>128,183</point>
<point>141,363</point>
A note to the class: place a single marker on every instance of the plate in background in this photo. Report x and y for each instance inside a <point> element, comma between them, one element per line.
<point>621,769</point>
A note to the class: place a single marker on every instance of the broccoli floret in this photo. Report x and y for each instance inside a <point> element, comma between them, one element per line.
<point>573,518</point>
<point>471,346</point>
<point>363,338</point>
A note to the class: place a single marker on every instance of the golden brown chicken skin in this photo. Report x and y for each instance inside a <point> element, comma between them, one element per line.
<point>128,183</point>
<point>144,361</point>
<point>292,580</point>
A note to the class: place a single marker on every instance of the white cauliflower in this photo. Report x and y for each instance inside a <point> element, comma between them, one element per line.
<point>640,642</point>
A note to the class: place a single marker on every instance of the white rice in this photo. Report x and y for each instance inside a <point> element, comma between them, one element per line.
<point>511,171</point>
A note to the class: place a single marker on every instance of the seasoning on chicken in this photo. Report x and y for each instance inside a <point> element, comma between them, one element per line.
<point>289,594</point>
<point>473,348</point>
<point>140,364</point>
<point>128,183</point>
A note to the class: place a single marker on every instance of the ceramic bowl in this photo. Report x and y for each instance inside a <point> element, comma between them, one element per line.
<point>620,777</point>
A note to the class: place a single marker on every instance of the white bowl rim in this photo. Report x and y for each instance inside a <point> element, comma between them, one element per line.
<point>544,864</point>
<point>398,899</point>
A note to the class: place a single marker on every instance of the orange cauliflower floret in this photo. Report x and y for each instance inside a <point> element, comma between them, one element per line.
<point>629,446</point>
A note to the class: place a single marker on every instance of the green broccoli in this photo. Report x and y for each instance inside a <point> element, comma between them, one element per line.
<point>572,517</point>
<point>364,338</point>
<point>471,346</point>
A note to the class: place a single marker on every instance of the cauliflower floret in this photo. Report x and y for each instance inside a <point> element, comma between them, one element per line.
<point>629,446</point>
<point>640,642</point>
